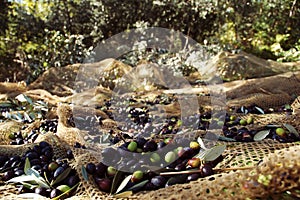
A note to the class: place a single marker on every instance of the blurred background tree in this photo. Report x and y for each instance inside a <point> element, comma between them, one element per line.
<point>38,34</point>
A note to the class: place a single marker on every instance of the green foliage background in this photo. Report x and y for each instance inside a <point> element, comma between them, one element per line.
<point>53,33</point>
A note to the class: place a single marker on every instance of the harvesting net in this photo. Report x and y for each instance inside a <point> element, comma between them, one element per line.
<point>257,169</point>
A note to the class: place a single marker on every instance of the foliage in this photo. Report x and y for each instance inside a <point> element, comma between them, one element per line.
<point>56,33</point>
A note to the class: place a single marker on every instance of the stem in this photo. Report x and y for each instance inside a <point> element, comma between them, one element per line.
<point>199,171</point>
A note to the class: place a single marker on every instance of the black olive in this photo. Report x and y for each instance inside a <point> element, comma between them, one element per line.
<point>91,168</point>
<point>158,181</point>
<point>41,191</point>
<point>72,181</point>
<point>32,155</point>
<point>44,144</point>
<point>150,146</point>
<point>193,177</point>
<point>8,175</point>
<point>54,193</point>
<point>58,171</point>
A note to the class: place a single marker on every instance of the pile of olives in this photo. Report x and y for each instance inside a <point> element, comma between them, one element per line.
<point>42,161</point>
<point>137,158</point>
<point>18,138</point>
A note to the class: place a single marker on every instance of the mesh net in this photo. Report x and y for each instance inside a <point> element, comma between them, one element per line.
<point>249,169</point>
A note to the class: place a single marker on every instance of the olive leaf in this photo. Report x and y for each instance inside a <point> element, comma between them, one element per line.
<point>24,178</point>
<point>227,139</point>
<point>138,186</point>
<point>27,166</point>
<point>66,192</point>
<point>200,155</point>
<point>260,110</point>
<point>62,176</point>
<point>201,143</point>
<point>178,179</point>
<point>215,152</point>
<point>125,194</point>
<point>291,129</point>
<point>116,181</point>
<point>261,135</point>
<point>272,126</point>
<point>28,185</point>
<point>84,173</point>
<point>123,184</point>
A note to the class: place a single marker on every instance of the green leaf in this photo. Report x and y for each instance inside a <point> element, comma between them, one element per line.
<point>291,129</point>
<point>84,173</point>
<point>24,178</point>
<point>227,139</point>
<point>214,152</point>
<point>124,183</point>
<point>31,171</point>
<point>261,135</point>
<point>66,192</point>
<point>138,186</point>
<point>178,179</point>
<point>28,185</point>
<point>260,110</point>
<point>201,143</point>
<point>273,126</point>
<point>62,176</point>
<point>125,194</point>
<point>116,181</point>
<point>201,155</point>
<point>27,166</point>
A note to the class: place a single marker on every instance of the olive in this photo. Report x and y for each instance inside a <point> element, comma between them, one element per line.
<point>206,170</point>
<point>155,157</point>
<point>52,166</point>
<point>44,144</point>
<point>161,144</point>
<point>72,180</point>
<point>19,141</point>
<point>194,145</point>
<point>280,132</point>
<point>111,171</point>
<point>19,172</point>
<point>3,159</point>
<point>44,158</point>
<point>158,181</point>
<point>32,155</point>
<point>180,167</point>
<point>70,154</point>
<point>8,175</point>
<point>101,169</point>
<point>15,158</point>
<point>140,142</point>
<point>104,184</point>
<point>58,171</point>
<point>150,146</point>
<point>137,176</point>
<point>54,193</point>
<point>91,168</point>
<point>36,167</point>
<point>41,191</point>
<point>35,162</point>
<point>149,186</point>
<point>243,122</point>
<point>170,157</point>
<point>194,162</point>
<point>193,177</point>
<point>37,149</point>
<point>132,146</point>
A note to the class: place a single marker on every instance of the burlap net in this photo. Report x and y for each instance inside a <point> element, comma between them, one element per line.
<point>276,166</point>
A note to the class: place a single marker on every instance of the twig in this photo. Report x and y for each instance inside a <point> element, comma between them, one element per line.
<point>199,171</point>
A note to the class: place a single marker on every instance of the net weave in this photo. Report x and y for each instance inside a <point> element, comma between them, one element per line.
<point>272,167</point>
